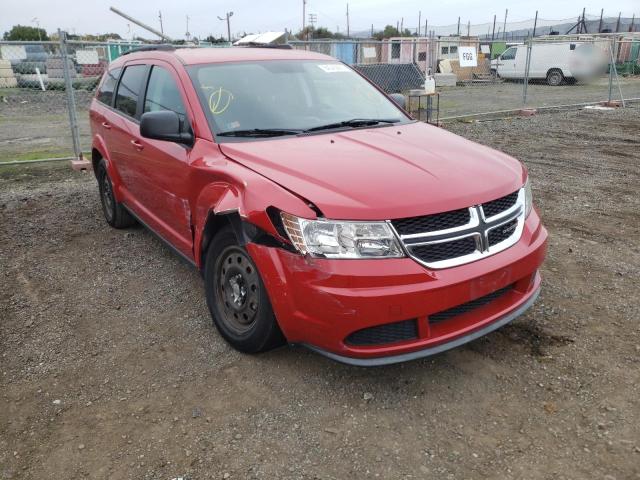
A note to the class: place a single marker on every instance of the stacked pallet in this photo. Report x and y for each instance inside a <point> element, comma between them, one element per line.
<point>7,77</point>
<point>55,67</point>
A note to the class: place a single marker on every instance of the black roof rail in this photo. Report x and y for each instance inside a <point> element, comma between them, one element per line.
<point>151,48</point>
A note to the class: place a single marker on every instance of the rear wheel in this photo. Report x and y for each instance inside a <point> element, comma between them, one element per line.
<point>114,212</point>
<point>237,298</point>
<point>554,77</point>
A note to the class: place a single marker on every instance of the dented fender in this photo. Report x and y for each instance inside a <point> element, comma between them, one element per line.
<point>229,188</point>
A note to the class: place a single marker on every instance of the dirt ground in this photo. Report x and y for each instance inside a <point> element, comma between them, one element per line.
<point>110,368</point>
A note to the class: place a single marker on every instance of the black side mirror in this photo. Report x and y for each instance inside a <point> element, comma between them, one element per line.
<point>399,99</point>
<point>164,125</point>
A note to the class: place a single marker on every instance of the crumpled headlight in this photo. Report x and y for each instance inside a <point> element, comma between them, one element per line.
<point>528,198</point>
<point>341,239</point>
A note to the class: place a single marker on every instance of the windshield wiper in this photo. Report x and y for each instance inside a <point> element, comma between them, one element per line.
<point>260,132</point>
<point>354,122</point>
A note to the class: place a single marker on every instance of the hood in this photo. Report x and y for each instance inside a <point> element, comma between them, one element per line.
<point>383,173</point>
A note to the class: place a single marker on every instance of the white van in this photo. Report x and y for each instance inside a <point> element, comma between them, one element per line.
<point>556,62</point>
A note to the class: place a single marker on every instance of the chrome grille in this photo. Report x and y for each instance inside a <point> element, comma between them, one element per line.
<point>436,252</point>
<point>432,223</point>
<point>498,206</point>
<point>461,236</point>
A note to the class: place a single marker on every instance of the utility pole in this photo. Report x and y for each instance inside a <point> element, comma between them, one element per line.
<point>348,30</point>
<point>372,30</point>
<point>139,23</point>
<point>426,24</point>
<point>37,22</point>
<point>618,22</point>
<point>458,34</point>
<point>419,21</point>
<point>468,28</point>
<point>187,35</point>
<point>160,17</point>
<point>401,26</point>
<point>535,24</point>
<point>304,16</point>
<point>228,15</point>
<point>313,18</point>
<point>633,21</point>
<point>493,32</point>
<point>504,25</point>
<point>600,24</point>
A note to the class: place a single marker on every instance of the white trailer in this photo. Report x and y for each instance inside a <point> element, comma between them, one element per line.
<point>554,62</point>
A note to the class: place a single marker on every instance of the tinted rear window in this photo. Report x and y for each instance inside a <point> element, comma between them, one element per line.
<point>105,94</point>
<point>129,89</point>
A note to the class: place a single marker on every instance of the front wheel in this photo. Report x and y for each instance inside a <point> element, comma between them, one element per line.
<point>554,77</point>
<point>236,297</point>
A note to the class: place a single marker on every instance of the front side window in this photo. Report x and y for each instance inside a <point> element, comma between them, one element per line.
<point>129,89</point>
<point>287,94</point>
<point>163,93</point>
<point>105,92</point>
<point>509,54</point>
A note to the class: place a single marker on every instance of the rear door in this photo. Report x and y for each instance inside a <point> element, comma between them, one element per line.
<point>124,130</point>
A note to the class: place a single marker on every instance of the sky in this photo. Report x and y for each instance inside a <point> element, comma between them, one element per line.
<point>94,16</point>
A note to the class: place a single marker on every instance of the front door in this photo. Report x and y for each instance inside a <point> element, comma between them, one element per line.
<point>161,168</point>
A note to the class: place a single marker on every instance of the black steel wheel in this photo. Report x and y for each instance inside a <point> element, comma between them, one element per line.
<point>114,212</point>
<point>237,289</point>
<point>236,296</point>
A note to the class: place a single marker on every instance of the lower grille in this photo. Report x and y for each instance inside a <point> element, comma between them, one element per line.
<point>502,232</point>
<point>469,306</point>
<point>442,251</point>
<point>388,333</point>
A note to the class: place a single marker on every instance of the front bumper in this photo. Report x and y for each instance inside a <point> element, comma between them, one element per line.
<point>321,302</point>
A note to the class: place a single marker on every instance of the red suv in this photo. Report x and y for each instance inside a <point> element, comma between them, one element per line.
<point>317,210</point>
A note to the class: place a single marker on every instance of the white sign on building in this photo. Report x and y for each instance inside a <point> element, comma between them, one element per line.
<point>468,56</point>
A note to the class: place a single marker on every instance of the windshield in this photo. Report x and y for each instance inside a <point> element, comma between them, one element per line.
<point>288,97</point>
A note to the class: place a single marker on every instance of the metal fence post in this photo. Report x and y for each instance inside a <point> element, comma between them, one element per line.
<point>71,102</point>
<point>613,70</point>
<point>526,74</point>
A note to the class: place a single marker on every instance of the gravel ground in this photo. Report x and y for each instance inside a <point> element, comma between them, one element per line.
<point>110,367</point>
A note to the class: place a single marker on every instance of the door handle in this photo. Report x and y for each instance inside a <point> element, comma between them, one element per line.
<point>106,125</point>
<point>138,146</point>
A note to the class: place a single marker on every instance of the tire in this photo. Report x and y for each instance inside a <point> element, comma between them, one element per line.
<point>236,297</point>
<point>554,77</point>
<point>114,212</point>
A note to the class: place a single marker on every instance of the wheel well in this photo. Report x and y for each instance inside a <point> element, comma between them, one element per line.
<point>215,222</point>
<point>96,156</point>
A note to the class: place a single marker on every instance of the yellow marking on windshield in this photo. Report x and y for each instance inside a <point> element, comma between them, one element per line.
<point>219,99</point>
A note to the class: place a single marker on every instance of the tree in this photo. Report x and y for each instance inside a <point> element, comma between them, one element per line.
<point>212,39</point>
<point>388,32</point>
<point>310,33</point>
<point>24,32</point>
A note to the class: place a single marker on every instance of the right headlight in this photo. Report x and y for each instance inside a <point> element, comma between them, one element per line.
<point>341,239</point>
<point>528,198</point>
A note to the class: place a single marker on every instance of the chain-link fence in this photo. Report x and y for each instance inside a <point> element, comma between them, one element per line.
<point>45,91</point>
<point>46,87</point>
<point>475,76</point>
